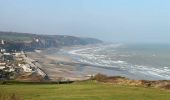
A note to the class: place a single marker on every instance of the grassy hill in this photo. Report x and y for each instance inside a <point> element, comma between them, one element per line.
<point>16,38</point>
<point>24,41</point>
<point>89,90</point>
<point>13,36</point>
<point>57,39</point>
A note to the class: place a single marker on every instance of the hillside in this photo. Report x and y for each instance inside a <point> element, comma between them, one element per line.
<point>27,41</point>
<point>14,36</point>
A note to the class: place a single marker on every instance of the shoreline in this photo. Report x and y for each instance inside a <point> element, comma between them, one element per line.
<point>59,66</point>
<point>62,69</point>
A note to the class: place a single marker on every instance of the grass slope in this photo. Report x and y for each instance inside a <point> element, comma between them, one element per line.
<point>15,38</point>
<point>85,91</point>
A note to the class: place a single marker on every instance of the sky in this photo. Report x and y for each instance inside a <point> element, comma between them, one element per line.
<point>123,21</point>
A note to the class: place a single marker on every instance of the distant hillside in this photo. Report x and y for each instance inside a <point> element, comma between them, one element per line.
<point>26,41</point>
<point>13,36</point>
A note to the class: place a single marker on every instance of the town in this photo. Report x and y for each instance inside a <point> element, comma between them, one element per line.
<point>16,65</point>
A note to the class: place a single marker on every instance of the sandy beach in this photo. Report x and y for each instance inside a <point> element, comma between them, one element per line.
<point>63,67</point>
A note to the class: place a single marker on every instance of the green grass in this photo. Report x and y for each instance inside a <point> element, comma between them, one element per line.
<point>15,38</point>
<point>85,91</point>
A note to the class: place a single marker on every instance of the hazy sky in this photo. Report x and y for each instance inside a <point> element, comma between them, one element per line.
<point>109,20</point>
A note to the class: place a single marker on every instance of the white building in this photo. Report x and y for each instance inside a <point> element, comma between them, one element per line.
<point>2,50</point>
<point>26,67</point>
<point>2,65</point>
<point>17,54</point>
<point>7,54</point>
<point>36,40</point>
<point>10,69</point>
<point>2,42</point>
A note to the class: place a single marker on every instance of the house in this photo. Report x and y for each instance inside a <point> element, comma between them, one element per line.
<point>9,68</point>
<point>7,57</point>
<point>26,67</point>
<point>16,54</point>
<point>2,42</point>
<point>2,50</point>
<point>19,58</point>
<point>2,65</point>
<point>36,40</point>
<point>8,54</point>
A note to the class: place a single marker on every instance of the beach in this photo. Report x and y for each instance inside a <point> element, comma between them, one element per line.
<point>82,62</point>
<point>62,67</point>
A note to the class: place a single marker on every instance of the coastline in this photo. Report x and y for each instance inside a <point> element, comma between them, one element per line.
<point>57,67</point>
<point>60,67</point>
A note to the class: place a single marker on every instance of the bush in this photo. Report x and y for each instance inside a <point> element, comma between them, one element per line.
<point>99,77</point>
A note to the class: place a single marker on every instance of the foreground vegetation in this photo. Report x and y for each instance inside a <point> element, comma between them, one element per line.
<point>89,90</point>
<point>6,95</point>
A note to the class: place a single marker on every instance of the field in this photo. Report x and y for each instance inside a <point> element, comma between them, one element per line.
<point>15,38</point>
<point>84,91</point>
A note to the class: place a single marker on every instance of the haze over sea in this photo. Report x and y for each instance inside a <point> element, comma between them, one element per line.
<point>125,21</point>
<point>135,61</point>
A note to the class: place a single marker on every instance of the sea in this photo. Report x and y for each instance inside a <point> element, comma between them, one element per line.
<point>134,61</point>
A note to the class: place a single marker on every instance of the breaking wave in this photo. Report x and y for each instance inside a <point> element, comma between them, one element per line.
<point>118,56</point>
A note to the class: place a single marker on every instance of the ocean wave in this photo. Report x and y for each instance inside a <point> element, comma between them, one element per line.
<point>151,71</point>
<point>101,56</point>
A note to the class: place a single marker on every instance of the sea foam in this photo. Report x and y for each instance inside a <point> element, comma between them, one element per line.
<point>110,56</point>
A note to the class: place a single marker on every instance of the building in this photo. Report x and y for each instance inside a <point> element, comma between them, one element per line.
<point>36,40</point>
<point>2,65</point>
<point>9,68</point>
<point>7,54</point>
<point>26,67</point>
<point>17,54</point>
<point>19,58</point>
<point>2,50</point>
<point>2,42</point>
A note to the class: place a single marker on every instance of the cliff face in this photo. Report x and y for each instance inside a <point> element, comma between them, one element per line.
<point>25,41</point>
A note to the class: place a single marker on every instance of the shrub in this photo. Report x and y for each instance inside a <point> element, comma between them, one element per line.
<point>99,77</point>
